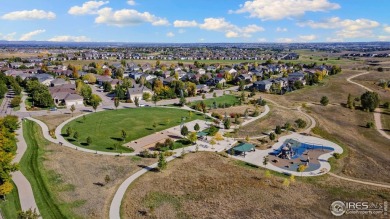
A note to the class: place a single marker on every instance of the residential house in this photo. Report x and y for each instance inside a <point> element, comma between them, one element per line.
<point>263,86</point>
<point>58,82</point>
<point>44,79</point>
<point>296,76</point>
<point>137,91</point>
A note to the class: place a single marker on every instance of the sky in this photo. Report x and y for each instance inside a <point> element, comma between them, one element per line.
<point>195,21</point>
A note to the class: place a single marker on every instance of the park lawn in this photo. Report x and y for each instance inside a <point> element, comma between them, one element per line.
<point>11,206</point>
<point>42,181</point>
<point>105,127</point>
<point>228,99</point>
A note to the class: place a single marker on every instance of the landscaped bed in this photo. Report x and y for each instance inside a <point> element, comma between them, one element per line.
<point>104,128</point>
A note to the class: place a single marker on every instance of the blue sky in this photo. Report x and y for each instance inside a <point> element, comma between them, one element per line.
<point>191,21</point>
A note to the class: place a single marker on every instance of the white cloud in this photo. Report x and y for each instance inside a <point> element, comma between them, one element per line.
<point>181,23</point>
<point>181,31</point>
<point>336,22</point>
<point>261,40</point>
<point>125,17</point>
<point>384,38</point>
<point>29,15</point>
<point>230,30</point>
<point>70,39</point>
<point>387,29</point>
<point>231,34</point>
<point>308,37</point>
<point>359,28</point>
<point>285,40</point>
<point>170,34</point>
<point>29,35</point>
<point>330,39</point>
<point>279,29</point>
<point>90,7</point>
<point>9,36</point>
<point>131,2</point>
<point>280,9</point>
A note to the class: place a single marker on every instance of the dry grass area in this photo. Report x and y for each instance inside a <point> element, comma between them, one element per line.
<point>207,185</point>
<point>371,81</point>
<point>79,174</point>
<point>368,151</point>
<point>385,117</point>
<point>82,178</point>
<point>21,55</point>
<point>276,116</point>
<point>52,121</point>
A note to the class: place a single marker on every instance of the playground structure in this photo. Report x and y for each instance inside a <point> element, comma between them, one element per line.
<point>293,149</point>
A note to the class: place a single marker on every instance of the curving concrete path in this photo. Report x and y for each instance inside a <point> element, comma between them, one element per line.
<point>377,112</point>
<point>360,181</point>
<point>26,195</point>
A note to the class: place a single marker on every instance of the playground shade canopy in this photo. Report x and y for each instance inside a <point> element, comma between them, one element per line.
<point>244,147</point>
<point>201,134</point>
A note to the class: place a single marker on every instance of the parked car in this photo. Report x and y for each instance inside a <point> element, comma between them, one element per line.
<point>53,109</point>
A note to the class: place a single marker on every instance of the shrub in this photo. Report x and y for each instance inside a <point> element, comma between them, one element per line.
<point>213,130</point>
<point>129,101</point>
<point>337,155</point>
<point>272,136</point>
<point>15,102</point>
<point>278,130</point>
<point>216,115</point>
<point>300,123</point>
<point>255,113</point>
<point>147,154</point>
<point>369,125</point>
<point>324,101</point>
<point>386,105</point>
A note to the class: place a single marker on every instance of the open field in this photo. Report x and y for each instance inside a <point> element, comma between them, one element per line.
<point>227,99</point>
<point>52,121</point>
<point>21,55</point>
<point>371,81</point>
<point>367,149</point>
<point>207,185</point>
<point>276,116</point>
<point>385,117</point>
<point>63,191</point>
<point>105,127</point>
<point>10,207</point>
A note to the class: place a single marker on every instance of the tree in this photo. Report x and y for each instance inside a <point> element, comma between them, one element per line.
<point>107,179</point>
<point>203,96</point>
<point>300,123</point>
<point>76,135</point>
<point>15,102</point>
<point>124,135</point>
<point>324,100</point>
<point>72,109</point>
<point>162,163</point>
<point>29,214</point>
<point>287,126</point>
<point>116,102</point>
<point>3,89</point>
<point>227,123</point>
<point>69,131</point>
<point>350,102</point>
<point>89,140</point>
<point>278,130</point>
<point>155,99</point>
<point>369,101</point>
<point>184,131</point>
<point>214,94</point>
<point>107,86</point>
<point>272,136</point>
<point>95,101</point>
<point>136,101</point>
<point>146,96</point>
<point>192,137</point>
<point>286,182</point>
<point>196,127</point>
<point>212,142</point>
<point>182,101</point>
<point>265,161</point>
<point>90,77</point>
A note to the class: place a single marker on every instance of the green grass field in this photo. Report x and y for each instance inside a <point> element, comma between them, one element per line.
<point>42,182</point>
<point>11,206</point>
<point>228,99</point>
<point>105,127</point>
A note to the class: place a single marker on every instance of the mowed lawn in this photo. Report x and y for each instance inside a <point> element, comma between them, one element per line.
<point>105,128</point>
<point>228,99</point>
